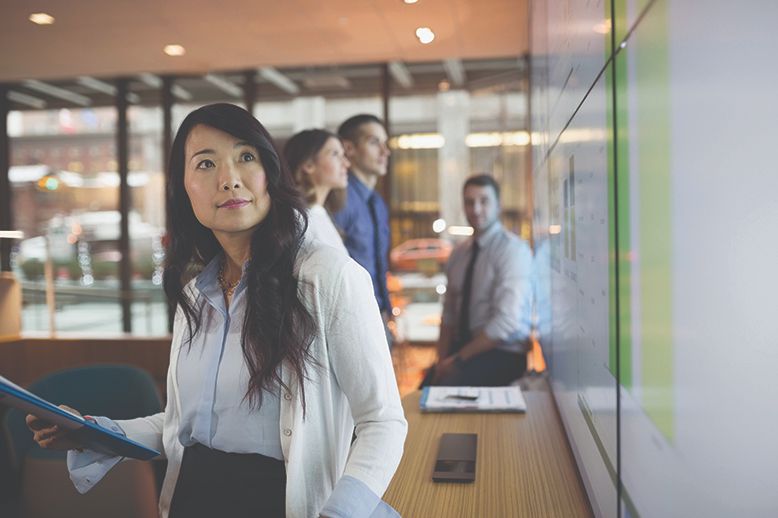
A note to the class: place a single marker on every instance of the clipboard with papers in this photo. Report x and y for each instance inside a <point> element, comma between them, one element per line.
<point>472,399</point>
<point>91,435</point>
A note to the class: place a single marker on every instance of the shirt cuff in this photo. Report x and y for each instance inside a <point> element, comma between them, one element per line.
<point>352,498</point>
<point>87,468</point>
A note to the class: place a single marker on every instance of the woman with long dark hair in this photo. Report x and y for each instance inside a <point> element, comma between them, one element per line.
<point>278,356</point>
<point>320,168</point>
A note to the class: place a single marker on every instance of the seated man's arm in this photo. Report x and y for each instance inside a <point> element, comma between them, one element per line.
<point>478,345</point>
<point>511,301</point>
<point>444,340</point>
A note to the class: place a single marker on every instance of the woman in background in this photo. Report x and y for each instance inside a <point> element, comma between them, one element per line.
<point>278,356</point>
<point>320,169</point>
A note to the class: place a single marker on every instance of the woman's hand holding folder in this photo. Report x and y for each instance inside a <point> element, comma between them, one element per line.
<point>51,436</point>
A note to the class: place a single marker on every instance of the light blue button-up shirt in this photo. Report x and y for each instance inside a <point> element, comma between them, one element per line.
<point>213,379</point>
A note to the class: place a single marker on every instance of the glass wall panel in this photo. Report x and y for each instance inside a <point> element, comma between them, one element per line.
<point>446,121</point>
<point>65,198</point>
<point>147,220</point>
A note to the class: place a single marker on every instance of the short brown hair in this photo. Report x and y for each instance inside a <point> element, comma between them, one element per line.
<point>349,130</point>
<point>483,180</point>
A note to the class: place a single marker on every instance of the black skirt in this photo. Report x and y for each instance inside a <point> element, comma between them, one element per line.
<point>216,483</point>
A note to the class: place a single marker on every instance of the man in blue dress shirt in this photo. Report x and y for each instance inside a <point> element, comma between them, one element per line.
<point>364,221</point>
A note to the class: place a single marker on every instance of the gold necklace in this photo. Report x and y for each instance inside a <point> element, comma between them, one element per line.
<point>227,288</point>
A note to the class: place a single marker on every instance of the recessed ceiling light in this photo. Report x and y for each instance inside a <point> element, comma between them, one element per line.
<point>410,1</point>
<point>41,18</point>
<point>175,50</point>
<point>425,35</point>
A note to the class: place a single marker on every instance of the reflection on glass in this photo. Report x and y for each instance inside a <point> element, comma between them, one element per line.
<point>64,190</point>
<point>147,221</point>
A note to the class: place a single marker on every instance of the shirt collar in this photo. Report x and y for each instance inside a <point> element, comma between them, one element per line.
<point>207,282</point>
<point>208,285</point>
<point>208,274</point>
<point>488,236</point>
<point>362,190</point>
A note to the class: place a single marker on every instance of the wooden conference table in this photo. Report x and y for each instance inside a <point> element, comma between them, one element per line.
<point>524,465</point>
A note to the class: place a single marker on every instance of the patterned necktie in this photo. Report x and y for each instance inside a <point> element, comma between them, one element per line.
<point>464,335</point>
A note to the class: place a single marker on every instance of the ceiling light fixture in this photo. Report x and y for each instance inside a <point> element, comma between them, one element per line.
<point>27,100</point>
<point>418,141</point>
<point>180,93</point>
<point>456,230</point>
<point>41,18</point>
<point>175,50</point>
<point>401,74</point>
<point>275,77</point>
<point>151,80</point>
<point>455,71</point>
<point>97,85</point>
<point>410,1</point>
<point>106,88</point>
<point>55,91</point>
<point>224,84</point>
<point>425,35</point>
<point>155,81</point>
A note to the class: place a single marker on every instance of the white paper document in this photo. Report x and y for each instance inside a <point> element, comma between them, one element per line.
<point>472,399</point>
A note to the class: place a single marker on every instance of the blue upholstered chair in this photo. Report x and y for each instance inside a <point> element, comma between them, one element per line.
<point>45,490</point>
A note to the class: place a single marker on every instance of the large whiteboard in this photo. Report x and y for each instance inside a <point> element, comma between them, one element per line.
<point>657,196</point>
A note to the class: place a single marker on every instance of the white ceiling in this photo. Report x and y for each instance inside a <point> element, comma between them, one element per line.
<point>106,38</point>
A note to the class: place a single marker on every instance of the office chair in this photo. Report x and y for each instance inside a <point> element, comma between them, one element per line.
<point>129,489</point>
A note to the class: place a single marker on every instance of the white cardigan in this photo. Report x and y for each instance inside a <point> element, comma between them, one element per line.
<point>321,227</point>
<point>354,384</point>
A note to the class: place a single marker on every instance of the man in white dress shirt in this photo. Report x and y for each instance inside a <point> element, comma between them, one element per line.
<point>486,321</point>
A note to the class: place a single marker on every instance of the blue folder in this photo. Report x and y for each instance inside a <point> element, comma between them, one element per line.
<point>91,435</point>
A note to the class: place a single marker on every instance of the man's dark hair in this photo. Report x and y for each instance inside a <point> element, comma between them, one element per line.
<point>349,130</point>
<point>483,180</point>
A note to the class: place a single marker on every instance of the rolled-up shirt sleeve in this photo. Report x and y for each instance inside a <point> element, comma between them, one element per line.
<point>512,295</point>
<point>352,497</point>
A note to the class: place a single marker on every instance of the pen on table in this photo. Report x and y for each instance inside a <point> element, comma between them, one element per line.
<point>462,397</point>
